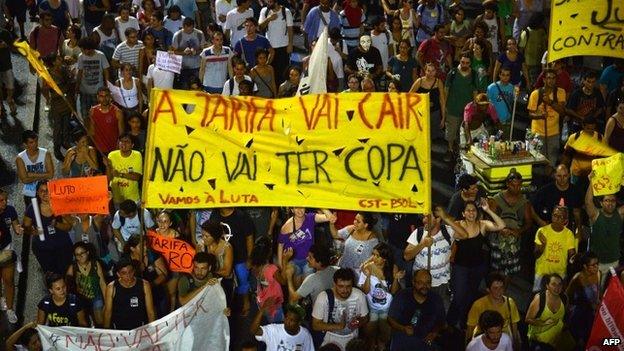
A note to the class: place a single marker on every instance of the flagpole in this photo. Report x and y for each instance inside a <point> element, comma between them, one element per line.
<point>513,114</point>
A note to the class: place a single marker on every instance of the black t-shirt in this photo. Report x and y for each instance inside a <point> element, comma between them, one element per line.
<point>424,317</point>
<point>6,219</point>
<point>241,227</point>
<point>400,226</point>
<point>550,196</point>
<point>371,59</point>
<point>583,104</point>
<point>60,316</point>
<point>5,53</point>
<point>456,204</point>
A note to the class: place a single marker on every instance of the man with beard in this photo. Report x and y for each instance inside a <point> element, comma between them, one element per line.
<point>190,285</point>
<point>460,88</point>
<point>493,338</point>
<point>416,315</point>
<point>339,312</point>
<point>286,336</point>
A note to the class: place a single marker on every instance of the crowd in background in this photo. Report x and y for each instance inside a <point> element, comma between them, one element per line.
<point>304,279</point>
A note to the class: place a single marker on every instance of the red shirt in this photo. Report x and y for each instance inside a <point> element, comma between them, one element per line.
<point>105,127</point>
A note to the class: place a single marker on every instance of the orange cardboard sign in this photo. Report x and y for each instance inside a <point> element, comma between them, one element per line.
<point>79,195</point>
<point>178,253</point>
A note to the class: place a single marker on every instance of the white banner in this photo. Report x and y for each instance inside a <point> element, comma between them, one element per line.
<point>168,61</point>
<point>198,325</point>
<point>317,69</point>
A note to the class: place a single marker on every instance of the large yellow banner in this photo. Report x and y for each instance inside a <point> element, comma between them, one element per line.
<point>586,27</point>
<point>355,151</point>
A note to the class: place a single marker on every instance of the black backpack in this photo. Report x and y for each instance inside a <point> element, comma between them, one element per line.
<point>318,336</point>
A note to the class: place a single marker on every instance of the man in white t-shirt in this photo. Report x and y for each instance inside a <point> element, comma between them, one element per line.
<point>287,336</point>
<point>234,26</point>
<point>430,248</point>
<point>277,21</point>
<point>159,78</point>
<point>493,338</point>
<point>340,311</point>
<point>382,40</point>
<point>125,21</point>
<point>222,7</point>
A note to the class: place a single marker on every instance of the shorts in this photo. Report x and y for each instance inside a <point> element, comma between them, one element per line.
<point>7,79</point>
<point>375,315</point>
<point>474,134</point>
<point>97,303</point>
<point>552,152</point>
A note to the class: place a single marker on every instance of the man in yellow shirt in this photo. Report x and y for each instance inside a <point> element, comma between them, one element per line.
<point>495,300</point>
<point>124,168</point>
<point>555,244</point>
<point>545,106</point>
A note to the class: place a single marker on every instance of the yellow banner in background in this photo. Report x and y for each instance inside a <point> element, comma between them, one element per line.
<point>586,27</point>
<point>590,146</point>
<point>608,175</point>
<point>354,151</point>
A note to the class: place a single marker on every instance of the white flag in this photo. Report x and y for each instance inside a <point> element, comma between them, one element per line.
<point>315,81</point>
<point>197,326</point>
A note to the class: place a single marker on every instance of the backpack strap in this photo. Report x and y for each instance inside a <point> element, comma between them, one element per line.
<point>331,301</point>
<point>419,233</point>
<point>445,233</point>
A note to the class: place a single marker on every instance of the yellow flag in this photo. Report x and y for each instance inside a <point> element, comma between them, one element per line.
<point>33,57</point>
<point>608,174</point>
<point>589,146</point>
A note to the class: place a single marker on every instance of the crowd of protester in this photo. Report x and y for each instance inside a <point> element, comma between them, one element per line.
<point>304,279</point>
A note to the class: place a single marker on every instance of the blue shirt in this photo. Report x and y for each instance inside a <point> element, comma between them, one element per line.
<point>248,48</point>
<point>611,77</point>
<point>187,7</point>
<point>496,97</point>
<point>429,17</point>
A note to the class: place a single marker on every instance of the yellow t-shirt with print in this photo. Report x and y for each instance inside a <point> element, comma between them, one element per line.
<point>554,259</point>
<point>125,189</point>
<point>552,117</point>
<point>508,311</point>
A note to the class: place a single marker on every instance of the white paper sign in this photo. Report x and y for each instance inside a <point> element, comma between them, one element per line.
<point>116,94</point>
<point>168,62</point>
<point>198,325</point>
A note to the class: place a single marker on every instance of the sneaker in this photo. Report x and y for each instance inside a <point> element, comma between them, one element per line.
<point>11,316</point>
<point>3,304</point>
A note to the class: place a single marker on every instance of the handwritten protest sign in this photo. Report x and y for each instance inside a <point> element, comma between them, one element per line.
<point>198,325</point>
<point>168,61</point>
<point>586,27</point>
<point>178,253</point>
<point>79,195</point>
<point>608,175</point>
<point>356,151</point>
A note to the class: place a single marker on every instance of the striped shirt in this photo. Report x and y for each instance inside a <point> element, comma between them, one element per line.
<point>216,69</point>
<point>125,54</point>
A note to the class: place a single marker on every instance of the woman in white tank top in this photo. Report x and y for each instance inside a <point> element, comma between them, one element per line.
<point>408,21</point>
<point>130,88</point>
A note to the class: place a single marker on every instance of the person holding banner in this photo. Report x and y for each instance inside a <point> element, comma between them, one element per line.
<point>192,284</point>
<point>164,223</point>
<point>52,247</point>
<point>606,228</point>
<point>59,308</point>
<point>128,302</point>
